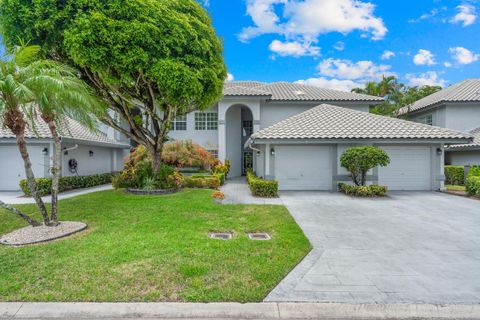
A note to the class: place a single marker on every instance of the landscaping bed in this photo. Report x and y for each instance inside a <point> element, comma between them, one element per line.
<point>142,248</point>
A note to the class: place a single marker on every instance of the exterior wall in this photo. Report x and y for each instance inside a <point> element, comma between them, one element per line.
<point>438,116</point>
<point>465,117</point>
<point>12,168</point>
<point>463,158</point>
<point>234,140</point>
<point>274,112</point>
<point>101,162</point>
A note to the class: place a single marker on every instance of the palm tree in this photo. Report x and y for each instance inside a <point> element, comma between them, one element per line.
<point>28,85</point>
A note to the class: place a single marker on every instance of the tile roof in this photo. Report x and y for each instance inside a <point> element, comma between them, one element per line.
<point>332,122</point>
<point>474,145</point>
<point>72,129</point>
<point>466,91</point>
<point>244,91</point>
<point>286,91</point>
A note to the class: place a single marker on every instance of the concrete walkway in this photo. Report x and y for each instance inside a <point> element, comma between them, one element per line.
<point>16,197</point>
<point>237,192</point>
<point>330,311</point>
<point>410,247</point>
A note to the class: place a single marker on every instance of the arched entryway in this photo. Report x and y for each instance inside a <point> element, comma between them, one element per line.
<point>239,126</point>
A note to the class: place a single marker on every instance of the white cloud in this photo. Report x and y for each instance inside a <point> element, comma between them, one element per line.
<point>346,69</point>
<point>339,46</point>
<point>434,12</point>
<point>230,77</point>
<point>322,82</point>
<point>294,48</point>
<point>424,57</point>
<point>308,19</point>
<point>447,64</point>
<point>430,78</point>
<point>387,54</point>
<point>467,14</point>
<point>462,55</point>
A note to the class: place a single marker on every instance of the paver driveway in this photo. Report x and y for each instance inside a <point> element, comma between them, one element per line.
<point>412,247</point>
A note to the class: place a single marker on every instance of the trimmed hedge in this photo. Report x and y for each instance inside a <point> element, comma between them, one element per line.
<point>363,191</point>
<point>44,185</point>
<point>473,186</point>
<point>260,187</point>
<point>202,182</point>
<point>455,175</point>
<point>220,176</point>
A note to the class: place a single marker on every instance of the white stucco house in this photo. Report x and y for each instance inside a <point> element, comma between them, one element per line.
<point>456,107</point>
<point>92,152</point>
<point>296,134</point>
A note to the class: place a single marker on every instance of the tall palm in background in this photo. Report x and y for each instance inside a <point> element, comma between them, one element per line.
<point>28,86</point>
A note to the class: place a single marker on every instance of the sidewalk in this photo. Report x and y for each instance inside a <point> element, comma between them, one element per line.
<point>16,197</point>
<point>237,192</point>
<point>234,311</point>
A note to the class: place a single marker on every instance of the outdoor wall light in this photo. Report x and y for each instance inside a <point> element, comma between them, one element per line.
<point>45,151</point>
<point>90,153</point>
<point>272,151</point>
<point>439,151</point>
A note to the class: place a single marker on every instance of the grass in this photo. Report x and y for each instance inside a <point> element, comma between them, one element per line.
<point>153,248</point>
<point>456,188</point>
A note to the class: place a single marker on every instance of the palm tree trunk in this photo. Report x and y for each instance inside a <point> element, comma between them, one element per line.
<point>57,168</point>
<point>30,221</point>
<point>32,184</point>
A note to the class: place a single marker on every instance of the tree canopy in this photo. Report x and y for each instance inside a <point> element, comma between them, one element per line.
<point>397,95</point>
<point>359,160</point>
<point>150,59</point>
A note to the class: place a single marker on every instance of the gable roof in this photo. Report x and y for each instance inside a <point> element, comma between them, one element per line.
<point>474,145</point>
<point>466,91</point>
<point>332,122</point>
<point>71,129</point>
<point>286,91</point>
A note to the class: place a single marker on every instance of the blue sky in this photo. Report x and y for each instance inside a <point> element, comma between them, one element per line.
<point>340,43</point>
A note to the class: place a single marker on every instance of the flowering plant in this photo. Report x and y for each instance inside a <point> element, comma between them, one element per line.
<point>218,195</point>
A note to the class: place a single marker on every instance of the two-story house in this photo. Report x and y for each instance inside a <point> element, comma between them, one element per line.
<point>456,107</point>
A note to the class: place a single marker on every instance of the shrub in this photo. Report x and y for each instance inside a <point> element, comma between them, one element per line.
<point>455,175</point>
<point>260,187</point>
<point>209,182</point>
<point>182,154</point>
<point>474,171</point>
<point>218,195</point>
<point>359,160</point>
<point>220,176</point>
<point>473,186</point>
<point>44,185</point>
<point>363,191</point>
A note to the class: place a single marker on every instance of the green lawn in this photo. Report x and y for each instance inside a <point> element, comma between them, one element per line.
<point>455,188</point>
<point>153,248</point>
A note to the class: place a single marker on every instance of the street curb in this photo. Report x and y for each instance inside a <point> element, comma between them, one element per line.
<point>272,310</point>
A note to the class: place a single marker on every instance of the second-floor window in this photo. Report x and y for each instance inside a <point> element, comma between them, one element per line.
<point>179,123</point>
<point>206,121</point>
<point>426,119</point>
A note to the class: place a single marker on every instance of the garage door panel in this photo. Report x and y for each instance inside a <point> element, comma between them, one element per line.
<point>409,168</point>
<point>303,167</point>
<point>12,169</point>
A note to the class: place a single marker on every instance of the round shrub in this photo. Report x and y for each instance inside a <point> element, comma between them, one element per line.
<point>359,160</point>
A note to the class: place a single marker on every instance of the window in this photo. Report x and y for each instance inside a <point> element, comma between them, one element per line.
<point>179,123</point>
<point>247,161</point>
<point>206,121</point>
<point>248,128</point>
<point>427,119</point>
<point>214,153</point>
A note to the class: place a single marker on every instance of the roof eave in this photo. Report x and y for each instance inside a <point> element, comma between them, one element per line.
<point>449,141</point>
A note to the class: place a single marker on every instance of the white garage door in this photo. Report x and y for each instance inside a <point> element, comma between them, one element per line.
<point>303,167</point>
<point>409,169</point>
<point>12,169</point>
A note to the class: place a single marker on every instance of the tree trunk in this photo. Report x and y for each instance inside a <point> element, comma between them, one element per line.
<point>32,184</point>
<point>30,221</point>
<point>57,167</point>
<point>156,160</point>
<point>364,178</point>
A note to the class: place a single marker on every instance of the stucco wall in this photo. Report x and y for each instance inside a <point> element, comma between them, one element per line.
<point>463,158</point>
<point>234,141</point>
<point>101,162</point>
<point>438,116</point>
<point>465,117</point>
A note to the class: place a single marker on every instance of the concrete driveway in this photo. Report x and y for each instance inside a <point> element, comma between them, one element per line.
<point>412,247</point>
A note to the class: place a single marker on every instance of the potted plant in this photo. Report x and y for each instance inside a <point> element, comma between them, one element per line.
<point>218,197</point>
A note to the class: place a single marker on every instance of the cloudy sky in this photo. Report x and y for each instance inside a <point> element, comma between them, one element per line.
<point>343,43</point>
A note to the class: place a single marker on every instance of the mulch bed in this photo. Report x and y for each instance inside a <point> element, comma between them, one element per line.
<point>33,235</point>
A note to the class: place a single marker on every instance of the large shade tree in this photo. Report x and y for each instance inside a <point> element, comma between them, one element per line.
<point>150,59</point>
<point>32,88</point>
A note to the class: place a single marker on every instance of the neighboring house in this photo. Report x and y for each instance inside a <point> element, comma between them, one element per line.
<point>92,152</point>
<point>456,107</point>
<point>295,134</point>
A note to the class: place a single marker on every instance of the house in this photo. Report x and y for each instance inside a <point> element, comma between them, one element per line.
<point>296,133</point>
<point>456,107</point>
<point>84,152</point>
